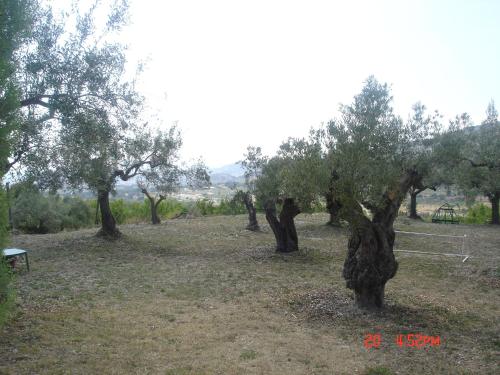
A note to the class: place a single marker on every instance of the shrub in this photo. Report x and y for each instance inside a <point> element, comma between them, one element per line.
<point>6,292</point>
<point>478,214</point>
<point>205,206</point>
<point>7,295</point>
<point>119,210</point>
<point>77,213</point>
<point>34,213</point>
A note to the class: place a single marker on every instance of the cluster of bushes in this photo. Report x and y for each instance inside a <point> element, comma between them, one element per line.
<point>133,212</point>
<point>34,212</point>
<point>478,214</point>
<point>225,207</point>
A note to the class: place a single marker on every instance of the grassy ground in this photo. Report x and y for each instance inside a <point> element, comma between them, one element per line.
<point>204,296</point>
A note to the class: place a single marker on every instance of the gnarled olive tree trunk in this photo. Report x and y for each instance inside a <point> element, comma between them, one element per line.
<point>253,225</point>
<point>284,228</point>
<point>108,222</point>
<point>370,261</point>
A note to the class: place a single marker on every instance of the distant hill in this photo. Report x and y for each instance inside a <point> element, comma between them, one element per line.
<point>224,178</point>
<point>234,170</point>
<point>230,173</point>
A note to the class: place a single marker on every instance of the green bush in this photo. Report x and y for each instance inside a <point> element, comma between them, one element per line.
<point>478,214</point>
<point>7,295</point>
<point>205,206</point>
<point>34,212</point>
<point>119,210</point>
<point>6,292</point>
<point>77,213</point>
<point>170,208</point>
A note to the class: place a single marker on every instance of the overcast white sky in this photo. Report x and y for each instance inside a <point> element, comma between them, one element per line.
<point>238,73</point>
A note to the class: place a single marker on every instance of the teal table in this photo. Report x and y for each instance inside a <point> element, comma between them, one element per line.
<point>11,253</point>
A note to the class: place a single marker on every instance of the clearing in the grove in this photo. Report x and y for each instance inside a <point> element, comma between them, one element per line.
<point>205,296</point>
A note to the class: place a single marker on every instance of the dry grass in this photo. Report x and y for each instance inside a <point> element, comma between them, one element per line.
<point>204,296</point>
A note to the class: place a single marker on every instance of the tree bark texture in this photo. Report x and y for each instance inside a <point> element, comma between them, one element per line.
<point>155,219</point>
<point>415,190</point>
<point>495,215</point>
<point>284,229</point>
<point>11,219</point>
<point>333,207</point>
<point>108,222</point>
<point>370,261</point>
<point>253,225</point>
<point>413,206</point>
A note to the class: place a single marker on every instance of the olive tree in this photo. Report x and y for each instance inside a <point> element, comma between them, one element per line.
<point>377,161</point>
<point>97,153</point>
<point>156,182</point>
<point>474,153</point>
<point>63,69</point>
<point>252,164</point>
<point>295,180</point>
<point>430,168</point>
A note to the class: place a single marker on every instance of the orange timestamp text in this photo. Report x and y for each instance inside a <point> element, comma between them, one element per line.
<point>410,340</point>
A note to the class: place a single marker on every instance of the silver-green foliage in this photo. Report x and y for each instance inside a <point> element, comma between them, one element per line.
<point>70,71</point>
<point>472,153</point>
<point>372,149</point>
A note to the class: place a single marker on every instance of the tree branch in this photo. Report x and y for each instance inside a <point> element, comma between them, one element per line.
<point>162,198</point>
<point>473,164</point>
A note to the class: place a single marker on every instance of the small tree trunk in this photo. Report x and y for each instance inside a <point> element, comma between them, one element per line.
<point>413,206</point>
<point>270,210</point>
<point>253,225</point>
<point>284,228</point>
<point>333,208</point>
<point>287,215</point>
<point>11,220</point>
<point>155,219</point>
<point>97,212</point>
<point>370,263</point>
<point>495,217</point>
<point>108,222</point>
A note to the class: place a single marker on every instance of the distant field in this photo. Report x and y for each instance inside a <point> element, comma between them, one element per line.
<point>204,296</point>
